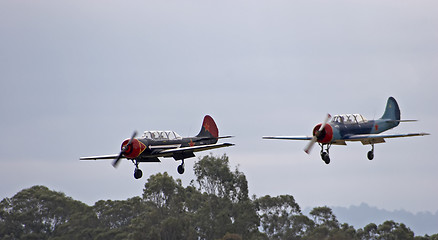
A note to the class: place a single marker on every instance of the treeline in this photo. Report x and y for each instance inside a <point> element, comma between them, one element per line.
<point>216,205</point>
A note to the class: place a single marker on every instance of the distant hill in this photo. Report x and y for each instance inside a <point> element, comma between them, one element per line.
<point>359,216</point>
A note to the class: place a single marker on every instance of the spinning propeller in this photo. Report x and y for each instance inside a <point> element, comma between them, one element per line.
<point>316,135</point>
<point>116,161</point>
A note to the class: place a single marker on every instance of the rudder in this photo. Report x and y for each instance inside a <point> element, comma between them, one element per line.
<point>392,110</point>
<point>209,128</point>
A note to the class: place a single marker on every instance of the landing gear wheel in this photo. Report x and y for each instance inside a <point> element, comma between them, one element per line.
<point>325,157</point>
<point>370,155</point>
<point>137,173</point>
<point>180,169</point>
<point>325,153</point>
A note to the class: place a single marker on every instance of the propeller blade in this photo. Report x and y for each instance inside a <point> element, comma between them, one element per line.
<point>132,138</point>
<point>309,146</point>
<point>116,161</point>
<point>312,142</point>
<point>325,122</point>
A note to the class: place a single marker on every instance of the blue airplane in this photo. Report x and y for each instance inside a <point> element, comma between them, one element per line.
<point>353,127</point>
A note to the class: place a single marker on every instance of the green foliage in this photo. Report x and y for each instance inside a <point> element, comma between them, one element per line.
<point>392,230</point>
<point>388,230</point>
<point>214,206</point>
<point>214,177</point>
<point>226,206</point>
<point>38,213</point>
<point>165,214</point>
<point>281,217</point>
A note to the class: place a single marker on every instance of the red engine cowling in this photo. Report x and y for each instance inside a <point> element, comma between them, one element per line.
<point>326,135</point>
<point>134,149</point>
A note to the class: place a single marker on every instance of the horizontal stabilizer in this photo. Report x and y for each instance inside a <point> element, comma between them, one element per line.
<point>409,120</point>
<point>225,137</point>
<point>207,138</point>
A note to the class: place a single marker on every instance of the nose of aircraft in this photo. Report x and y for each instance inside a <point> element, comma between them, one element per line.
<point>133,149</point>
<point>116,161</point>
<point>325,135</point>
<point>317,131</point>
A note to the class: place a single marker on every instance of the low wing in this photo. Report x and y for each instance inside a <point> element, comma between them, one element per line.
<point>170,152</point>
<point>167,152</point>
<point>288,137</point>
<point>114,156</point>
<point>379,138</point>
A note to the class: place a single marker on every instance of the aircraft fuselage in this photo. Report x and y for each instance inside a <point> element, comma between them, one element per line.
<point>148,150</point>
<point>336,132</point>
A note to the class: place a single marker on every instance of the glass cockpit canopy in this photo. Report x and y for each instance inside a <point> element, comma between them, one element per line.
<point>349,119</point>
<point>161,135</point>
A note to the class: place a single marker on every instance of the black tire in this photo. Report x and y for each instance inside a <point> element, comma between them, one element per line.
<point>138,173</point>
<point>370,155</point>
<point>180,169</point>
<point>325,157</point>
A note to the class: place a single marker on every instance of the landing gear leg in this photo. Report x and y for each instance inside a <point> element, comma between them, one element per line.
<point>137,172</point>
<point>180,168</point>
<point>370,154</point>
<point>325,155</point>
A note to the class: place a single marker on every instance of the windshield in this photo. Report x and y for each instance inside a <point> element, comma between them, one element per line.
<point>349,119</point>
<point>161,135</point>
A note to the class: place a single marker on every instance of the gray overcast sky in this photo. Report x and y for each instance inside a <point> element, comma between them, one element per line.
<point>77,77</point>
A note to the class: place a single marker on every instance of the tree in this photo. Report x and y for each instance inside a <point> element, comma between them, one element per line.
<point>391,230</point>
<point>324,216</point>
<point>165,214</point>
<point>38,213</point>
<point>369,232</point>
<point>281,217</point>
<point>115,216</point>
<point>81,225</point>
<point>226,206</point>
<point>328,227</point>
<point>214,177</point>
<point>215,206</point>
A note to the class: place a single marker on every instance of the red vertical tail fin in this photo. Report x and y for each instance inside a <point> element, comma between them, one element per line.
<point>209,128</point>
